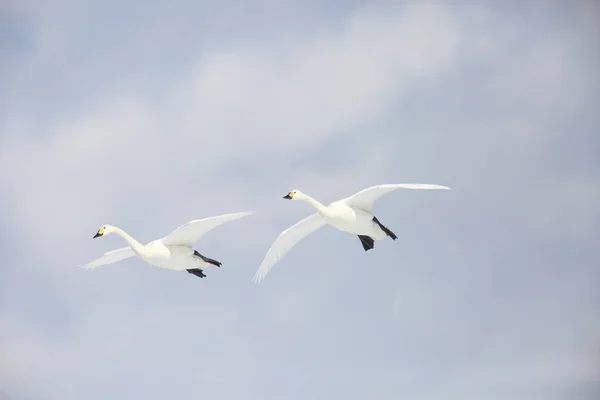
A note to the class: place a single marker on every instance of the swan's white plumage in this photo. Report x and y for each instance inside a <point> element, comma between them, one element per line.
<point>366,197</point>
<point>110,257</point>
<point>351,214</point>
<point>173,251</point>
<point>286,240</point>
<point>189,233</point>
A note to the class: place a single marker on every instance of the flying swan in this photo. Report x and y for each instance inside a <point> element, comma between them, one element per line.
<point>352,214</point>
<point>173,252</point>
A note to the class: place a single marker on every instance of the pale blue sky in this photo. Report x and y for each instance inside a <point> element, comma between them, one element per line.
<point>147,116</point>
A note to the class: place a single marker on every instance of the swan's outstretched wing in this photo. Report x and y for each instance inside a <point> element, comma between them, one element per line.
<point>190,233</point>
<point>285,241</point>
<point>366,197</point>
<point>110,257</point>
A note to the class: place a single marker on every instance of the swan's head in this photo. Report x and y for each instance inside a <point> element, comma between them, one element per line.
<point>104,230</point>
<point>294,195</point>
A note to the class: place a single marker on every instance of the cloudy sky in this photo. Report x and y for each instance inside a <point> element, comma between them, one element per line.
<point>146,116</point>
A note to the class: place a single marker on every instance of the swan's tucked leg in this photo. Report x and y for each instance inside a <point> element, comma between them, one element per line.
<point>196,271</point>
<point>367,242</point>
<point>386,230</point>
<point>207,260</point>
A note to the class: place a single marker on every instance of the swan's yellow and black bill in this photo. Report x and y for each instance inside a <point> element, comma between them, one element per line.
<point>290,195</point>
<point>99,233</point>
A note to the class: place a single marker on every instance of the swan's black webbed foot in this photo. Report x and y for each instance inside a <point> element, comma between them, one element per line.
<point>386,230</point>
<point>196,271</point>
<point>207,260</point>
<point>367,242</point>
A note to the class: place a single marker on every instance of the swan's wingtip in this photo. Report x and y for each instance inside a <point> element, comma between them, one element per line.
<point>244,214</point>
<point>440,187</point>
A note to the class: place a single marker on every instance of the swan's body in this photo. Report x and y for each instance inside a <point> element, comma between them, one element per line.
<point>351,219</point>
<point>352,214</point>
<point>173,251</point>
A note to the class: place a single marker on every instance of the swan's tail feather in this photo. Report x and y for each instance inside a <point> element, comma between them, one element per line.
<point>386,230</point>
<point>207,260</point>
<point>367,242</point>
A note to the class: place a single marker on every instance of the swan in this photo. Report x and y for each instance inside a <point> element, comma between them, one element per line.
<point>352,214</point>
<point>173,251</point>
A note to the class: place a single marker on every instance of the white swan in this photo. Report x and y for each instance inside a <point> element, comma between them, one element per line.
<point>173,251</point>
<point>352,214</point>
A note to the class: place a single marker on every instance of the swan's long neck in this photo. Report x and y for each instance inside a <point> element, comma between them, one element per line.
<point>316,204</point>
<point>137,247</point>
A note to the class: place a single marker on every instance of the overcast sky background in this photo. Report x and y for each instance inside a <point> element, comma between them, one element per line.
<point>147,115</point>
